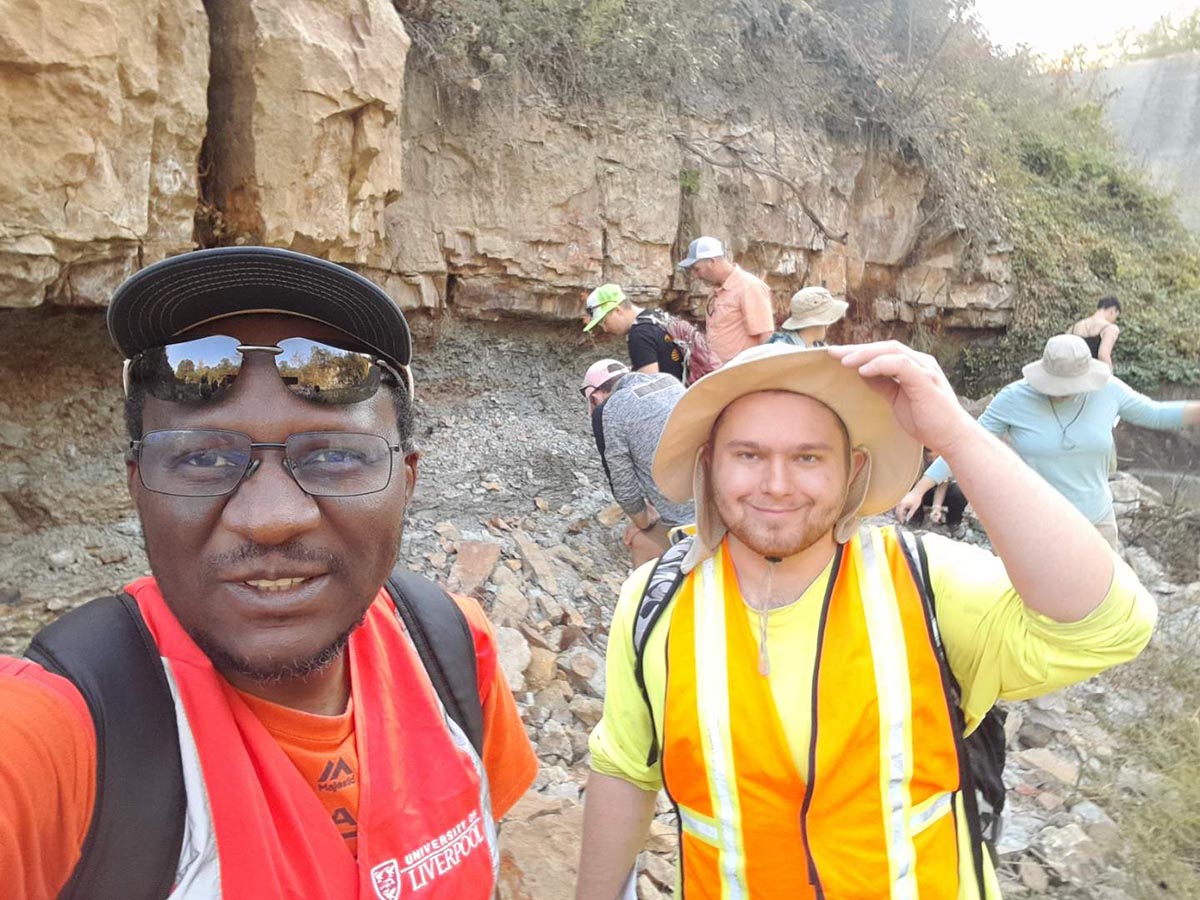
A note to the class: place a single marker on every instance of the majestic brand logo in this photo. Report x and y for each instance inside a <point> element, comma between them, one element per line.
<point>336,776</point>
<point>385,878</point>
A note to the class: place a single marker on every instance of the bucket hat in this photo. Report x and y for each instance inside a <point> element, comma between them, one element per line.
<point>893,457</point>
<point>814,306</point>
<point>1066,367</point>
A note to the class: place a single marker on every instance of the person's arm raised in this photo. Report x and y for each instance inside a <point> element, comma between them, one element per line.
<point>1057,561</point>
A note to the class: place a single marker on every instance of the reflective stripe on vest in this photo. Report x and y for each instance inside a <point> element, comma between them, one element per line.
<point>256,829</point>
<point>878,819</point>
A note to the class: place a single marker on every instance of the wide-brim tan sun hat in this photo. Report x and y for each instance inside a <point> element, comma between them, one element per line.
<point>814,306</point>
<point>1066,367</point>
<point>895,456</point>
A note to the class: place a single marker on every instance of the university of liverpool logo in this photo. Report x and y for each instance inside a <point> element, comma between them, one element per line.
<point>386,879</point>
<point>426,864</point>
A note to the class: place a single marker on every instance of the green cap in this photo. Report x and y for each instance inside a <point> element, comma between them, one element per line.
<point>601,302</point>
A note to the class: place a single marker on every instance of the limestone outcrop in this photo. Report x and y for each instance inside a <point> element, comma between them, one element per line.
<point>102,111</point>
<point>514,210</point>
<point>146,128</point>
<point>304,146</point>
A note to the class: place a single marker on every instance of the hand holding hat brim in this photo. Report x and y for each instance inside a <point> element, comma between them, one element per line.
<point>913,386</point>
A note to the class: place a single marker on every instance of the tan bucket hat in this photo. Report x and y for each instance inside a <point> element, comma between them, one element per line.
<point>814,306</point>
<point>893,457</point>
<point>1066,367</point>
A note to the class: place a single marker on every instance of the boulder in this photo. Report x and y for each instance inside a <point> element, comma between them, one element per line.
<point>584,668</point>
<point>543,665</point>
<point>1051,764</point>
<point>536,560</point>
<point>513,651</point>
<point>510,606</point>
<point>473,565</point>
<point>539,849</point>
<point>1070,853</point>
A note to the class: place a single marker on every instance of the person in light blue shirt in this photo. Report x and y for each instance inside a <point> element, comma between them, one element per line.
<point>1059,418</point>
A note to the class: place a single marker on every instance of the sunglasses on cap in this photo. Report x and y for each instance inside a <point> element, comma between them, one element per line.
<point>204,369</point>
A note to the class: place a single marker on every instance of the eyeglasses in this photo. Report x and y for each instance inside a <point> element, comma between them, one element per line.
<point>204,369</point>
<point>209,463</point>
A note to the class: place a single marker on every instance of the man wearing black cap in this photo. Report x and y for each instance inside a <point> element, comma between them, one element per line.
<point>262,717</point>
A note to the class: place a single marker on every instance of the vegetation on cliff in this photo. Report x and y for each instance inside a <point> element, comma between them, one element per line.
<point>1014,157</point>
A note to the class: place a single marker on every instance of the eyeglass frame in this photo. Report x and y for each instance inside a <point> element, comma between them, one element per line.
<point>275,350</point>
<point>133,454</point>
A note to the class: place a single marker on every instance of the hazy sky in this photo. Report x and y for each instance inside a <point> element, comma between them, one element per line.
<point>1052,26</point>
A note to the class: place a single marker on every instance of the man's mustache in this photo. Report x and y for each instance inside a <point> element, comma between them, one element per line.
<point>293,551</point>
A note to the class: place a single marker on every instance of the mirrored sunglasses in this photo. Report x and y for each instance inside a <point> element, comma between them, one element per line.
<point>204,369</point>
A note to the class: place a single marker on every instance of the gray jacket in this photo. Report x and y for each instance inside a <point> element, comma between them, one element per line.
<point>632,420</point>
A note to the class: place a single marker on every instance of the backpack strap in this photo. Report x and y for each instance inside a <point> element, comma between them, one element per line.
<point>132,846</point>
<point>660,590</point>
<point>918,565</point>
<point>133,842</point>
<point>443,639</point>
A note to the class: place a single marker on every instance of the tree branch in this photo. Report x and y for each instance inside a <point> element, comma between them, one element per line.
<point>752,161</point>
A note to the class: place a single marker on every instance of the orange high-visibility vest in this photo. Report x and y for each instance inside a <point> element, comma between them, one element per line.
<point>257,831</point>
<point>879,817</point>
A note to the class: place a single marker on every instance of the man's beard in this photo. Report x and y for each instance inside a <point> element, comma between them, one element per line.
<point>785,539</point>
<point>281,671</point>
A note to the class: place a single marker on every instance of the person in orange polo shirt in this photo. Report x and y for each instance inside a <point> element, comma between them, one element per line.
<point>307,749</point>
<point>740,314</point>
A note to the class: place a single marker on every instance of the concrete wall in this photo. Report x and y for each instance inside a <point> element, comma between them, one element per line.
<point>1155,110</point>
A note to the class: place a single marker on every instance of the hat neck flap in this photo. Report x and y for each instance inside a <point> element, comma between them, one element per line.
<point>847,523</point>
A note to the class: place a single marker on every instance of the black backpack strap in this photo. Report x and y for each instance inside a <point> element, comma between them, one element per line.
<point>918,564</point>
<point>132,846</point>
<point>660,590</point>
<point>444,642</point>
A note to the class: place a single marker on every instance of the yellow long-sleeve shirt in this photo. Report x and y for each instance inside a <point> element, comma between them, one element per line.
<point>996,646</point>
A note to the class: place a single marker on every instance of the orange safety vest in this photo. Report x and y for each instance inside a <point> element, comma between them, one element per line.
<point>880,814</point>
<point>257,831</point>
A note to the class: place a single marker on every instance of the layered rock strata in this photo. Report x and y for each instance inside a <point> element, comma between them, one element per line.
<point>149,127</point>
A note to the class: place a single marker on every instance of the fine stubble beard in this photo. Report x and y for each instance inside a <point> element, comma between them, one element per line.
<point>785,539</point>
<point>277,672</point>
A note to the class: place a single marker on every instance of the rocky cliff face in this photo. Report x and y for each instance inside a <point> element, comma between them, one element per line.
<point>516,210</point>
<point>290,123</point>
<point>102,110</point>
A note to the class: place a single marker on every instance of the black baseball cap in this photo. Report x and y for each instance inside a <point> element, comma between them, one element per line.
<point>163,300</point>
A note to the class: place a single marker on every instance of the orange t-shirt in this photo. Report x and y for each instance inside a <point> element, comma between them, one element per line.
<point>48,762</point>
<point>739,314</point>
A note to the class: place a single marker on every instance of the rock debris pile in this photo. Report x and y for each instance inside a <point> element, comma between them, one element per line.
<point>512,507</point>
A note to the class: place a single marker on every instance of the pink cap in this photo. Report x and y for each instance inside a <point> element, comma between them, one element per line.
<point>599,372</point>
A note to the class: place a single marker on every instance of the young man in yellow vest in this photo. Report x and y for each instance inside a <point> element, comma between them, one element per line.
<point>803,708</point>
